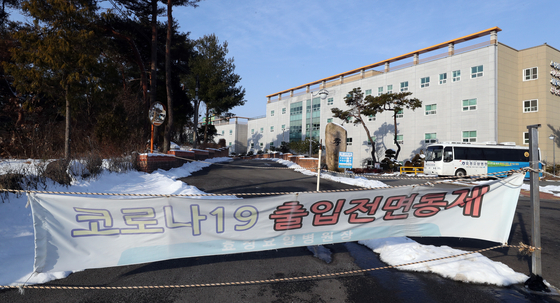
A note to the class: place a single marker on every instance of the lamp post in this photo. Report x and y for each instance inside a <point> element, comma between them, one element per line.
<point>323,93</point>
<point>553,138</point>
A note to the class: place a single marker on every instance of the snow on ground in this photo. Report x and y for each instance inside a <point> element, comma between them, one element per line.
<point>474,268</point>
<point>17,245</point>
<point>356,180</point>
<point>550,189</point>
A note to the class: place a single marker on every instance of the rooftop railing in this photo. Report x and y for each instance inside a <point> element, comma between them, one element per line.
<point>369,71</point>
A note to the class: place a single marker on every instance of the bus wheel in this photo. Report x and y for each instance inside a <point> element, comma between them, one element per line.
<point>460,173</point>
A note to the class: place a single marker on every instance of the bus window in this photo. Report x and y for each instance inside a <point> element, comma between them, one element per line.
<point>476,153</point>
<point>461,153</point>
<point>448,154</point>
<point>434,153</point>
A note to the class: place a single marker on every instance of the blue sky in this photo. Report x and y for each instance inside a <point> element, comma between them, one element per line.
<point>281,44</point>
<point>277,45</point>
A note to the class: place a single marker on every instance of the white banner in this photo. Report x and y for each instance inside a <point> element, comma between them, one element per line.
<point>73,233</point>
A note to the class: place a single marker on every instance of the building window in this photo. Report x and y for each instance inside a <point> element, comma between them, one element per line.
<point>404,86</point>
<point>283,126</point>
<point>368,92</point>
<point>526,138</point>
<point>400,114</point>
<point>469,136</point>
<point>424,82</point>
<point>477,71</point>
<point>348,141</point>
<point>252,145</point>
<point>272,144</point>
<point>272,113</point>
<point>283,110</point>
<point>369,140</point>
<point>469,104</point>
<point>371,118</point>
<point>330,101</point>
<point>380,91</point>
<point>456,75</point>
<point>400,139</point>
<point>230,132</point>
<point>431,109</point>
<point>222,132</point>
<point>272,129</point>
<point>443,78</point>
<point>252,130</point>
<point>389,88</point>
<point>262,129</point>
<point>530,106</point>
<point>530,74</point>
<point>430,138</point>
<point>329,120</point>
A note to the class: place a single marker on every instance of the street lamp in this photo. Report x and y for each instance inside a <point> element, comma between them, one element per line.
<point>553,138</point>
<point>323,93</point>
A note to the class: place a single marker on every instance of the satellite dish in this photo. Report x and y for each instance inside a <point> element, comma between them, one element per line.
<point>157,114</point>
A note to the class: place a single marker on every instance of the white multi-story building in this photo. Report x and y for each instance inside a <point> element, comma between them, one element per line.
<point>484,91</point>
<point>234,131</point>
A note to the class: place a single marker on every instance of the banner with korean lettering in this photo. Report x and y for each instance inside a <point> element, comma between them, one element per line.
<point>73,233</point>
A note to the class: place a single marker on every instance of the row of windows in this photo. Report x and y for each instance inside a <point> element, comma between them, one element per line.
<point>429,138</point>
<point>431,109</point>
<point>476,72</point>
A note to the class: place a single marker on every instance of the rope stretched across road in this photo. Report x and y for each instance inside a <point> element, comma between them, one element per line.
<point>467,178</point>
<point>523,249</point>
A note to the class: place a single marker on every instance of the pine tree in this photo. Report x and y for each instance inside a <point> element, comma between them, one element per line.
<point>57,52</point>
<point>216,74</point>
<point>360,107</point>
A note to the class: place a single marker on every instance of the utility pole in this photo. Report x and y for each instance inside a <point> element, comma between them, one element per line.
<point>535,282</point>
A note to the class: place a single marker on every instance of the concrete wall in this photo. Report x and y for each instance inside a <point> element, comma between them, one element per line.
<point>176,158</point>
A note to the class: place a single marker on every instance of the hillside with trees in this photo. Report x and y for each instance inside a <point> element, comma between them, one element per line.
<point>79,79</point>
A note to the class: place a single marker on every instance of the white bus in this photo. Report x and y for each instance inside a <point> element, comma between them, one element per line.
<point>461,159</point>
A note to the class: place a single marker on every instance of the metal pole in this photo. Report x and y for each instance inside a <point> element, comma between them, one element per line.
<point>319,165</point>
<point>536,267</point>
<point>152,141</point>
<point>310,110</point>
<point>554,154</point>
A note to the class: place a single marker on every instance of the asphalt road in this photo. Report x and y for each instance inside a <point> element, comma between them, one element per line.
<point>377,286</point>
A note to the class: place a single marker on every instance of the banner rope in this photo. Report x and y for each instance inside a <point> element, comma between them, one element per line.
<point>469,178</point>
<point>399,176</point>
<point>523,249</point>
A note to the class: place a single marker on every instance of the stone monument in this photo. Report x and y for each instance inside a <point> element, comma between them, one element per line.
<point>335,141</point>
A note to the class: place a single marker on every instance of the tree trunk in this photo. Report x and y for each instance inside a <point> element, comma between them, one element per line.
<point>395,137</point>
<point>153,69</point>
<point>195,121</point>
<point>206,124</point>
<point>372,142</point>
<point>67,129</point>
<point>143,78</point>
<point>169,125</point>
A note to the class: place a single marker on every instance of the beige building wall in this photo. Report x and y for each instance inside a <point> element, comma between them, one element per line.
<point>508,109</point>
<point>514,89</point>
<point>551,104</point>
